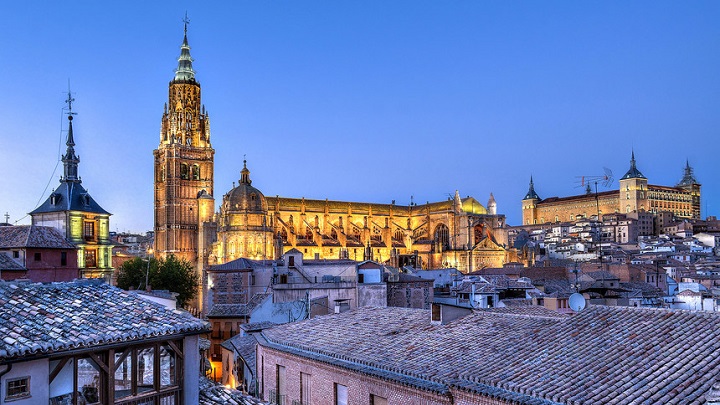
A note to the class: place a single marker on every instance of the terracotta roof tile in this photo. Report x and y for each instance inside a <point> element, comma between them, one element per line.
<point>613,355</point>
<point>54,317</point>
<point>31,236</point>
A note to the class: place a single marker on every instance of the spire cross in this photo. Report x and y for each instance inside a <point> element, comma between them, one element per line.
<point>186,20</point>
<point>70,100</point>
<point>7,218</point>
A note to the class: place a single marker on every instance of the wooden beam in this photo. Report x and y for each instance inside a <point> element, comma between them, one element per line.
<point>175,348</point>
<point>99,362</point>
<point>110,387</point>
<point>59,368</point>
<point>121,360</point>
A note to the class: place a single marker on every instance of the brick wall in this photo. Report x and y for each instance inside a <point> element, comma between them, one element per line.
<point>359,386</point>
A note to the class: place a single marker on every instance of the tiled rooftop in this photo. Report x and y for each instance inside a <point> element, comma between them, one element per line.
<point>7,263</point>
<point>31,236</point>
<point>245,347</point>
<point>55,317</point>
<point>215,394</point>
<point>236,310</point>
<point>609,355</point>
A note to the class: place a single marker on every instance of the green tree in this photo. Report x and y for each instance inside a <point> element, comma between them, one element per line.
<point>170,274</point>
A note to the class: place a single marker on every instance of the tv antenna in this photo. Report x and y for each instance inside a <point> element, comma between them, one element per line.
<point>604,179</point>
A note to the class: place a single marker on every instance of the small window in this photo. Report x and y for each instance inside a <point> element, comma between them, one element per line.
<point>17,388</point>
<point>196,172</point>
<point>38,256</point>
<point>341,394</point>
<point>63,258</point>
<point>377,400</point>
<point>305,389</point>
<point>16,254</point>
<point>90,258</point>
<point>89,230</point>
<point>184,171</point>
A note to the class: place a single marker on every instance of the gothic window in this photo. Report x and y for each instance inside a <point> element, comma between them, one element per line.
<point>196,172</point>
<point>441,237</point>
<point>333,234</point>
<point>308,233</point>
<point>183,171</point>
<point>283,235</point>
<point>399,235</point>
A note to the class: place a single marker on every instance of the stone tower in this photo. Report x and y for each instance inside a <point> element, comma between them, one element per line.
<point>71,210</point>
<point>183,166</point>
<point>690,184</point>
<point>529,205</point>
<point>633,190</point>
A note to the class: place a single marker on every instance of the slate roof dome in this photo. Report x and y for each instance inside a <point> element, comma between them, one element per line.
<point>245,197</point>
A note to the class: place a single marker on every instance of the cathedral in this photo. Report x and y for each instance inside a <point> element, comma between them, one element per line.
<point>459,232</point>
<point>634,196</point>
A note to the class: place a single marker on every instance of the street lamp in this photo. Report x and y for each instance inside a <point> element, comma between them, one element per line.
<point>147,272</point>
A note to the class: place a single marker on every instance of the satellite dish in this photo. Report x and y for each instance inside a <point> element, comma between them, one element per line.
<point>577,302</point>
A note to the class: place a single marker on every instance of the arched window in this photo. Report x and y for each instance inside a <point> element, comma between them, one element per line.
<point>479,232</point>
<point>399,235</point>
<point>441,237</point>
<point>196,172</point>
<point>283,235</point>
<point>333,234</point>
<point>183,171</point>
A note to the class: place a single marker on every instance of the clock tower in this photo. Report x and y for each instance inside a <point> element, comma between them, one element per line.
<point>183,166</point>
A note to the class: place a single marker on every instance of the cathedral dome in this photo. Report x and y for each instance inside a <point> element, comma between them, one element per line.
<point>245,197</point>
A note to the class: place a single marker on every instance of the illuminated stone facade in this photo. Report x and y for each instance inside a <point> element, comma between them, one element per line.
<point>455,233</point>
<point>183,166</point>
<point>633,195</point>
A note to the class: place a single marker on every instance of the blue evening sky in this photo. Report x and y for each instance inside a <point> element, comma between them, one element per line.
<point>368,101</point>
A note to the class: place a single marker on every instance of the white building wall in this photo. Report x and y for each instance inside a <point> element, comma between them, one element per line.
<point>39,373</point>
<point>191,369</point>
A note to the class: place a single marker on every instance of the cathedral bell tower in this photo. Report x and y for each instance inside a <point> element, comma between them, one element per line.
<point>183,165</point>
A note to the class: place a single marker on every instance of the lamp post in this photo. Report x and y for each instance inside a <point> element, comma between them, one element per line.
<point>147,272</point>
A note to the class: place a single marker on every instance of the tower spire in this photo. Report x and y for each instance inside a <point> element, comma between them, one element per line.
<point>688,178</point>
<point>633,172</point>
<point>70,160</point>
<point>184,71</point>
<point>531,194</point>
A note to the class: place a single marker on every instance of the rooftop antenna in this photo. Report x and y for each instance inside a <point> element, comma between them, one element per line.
<point>606,180</point>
